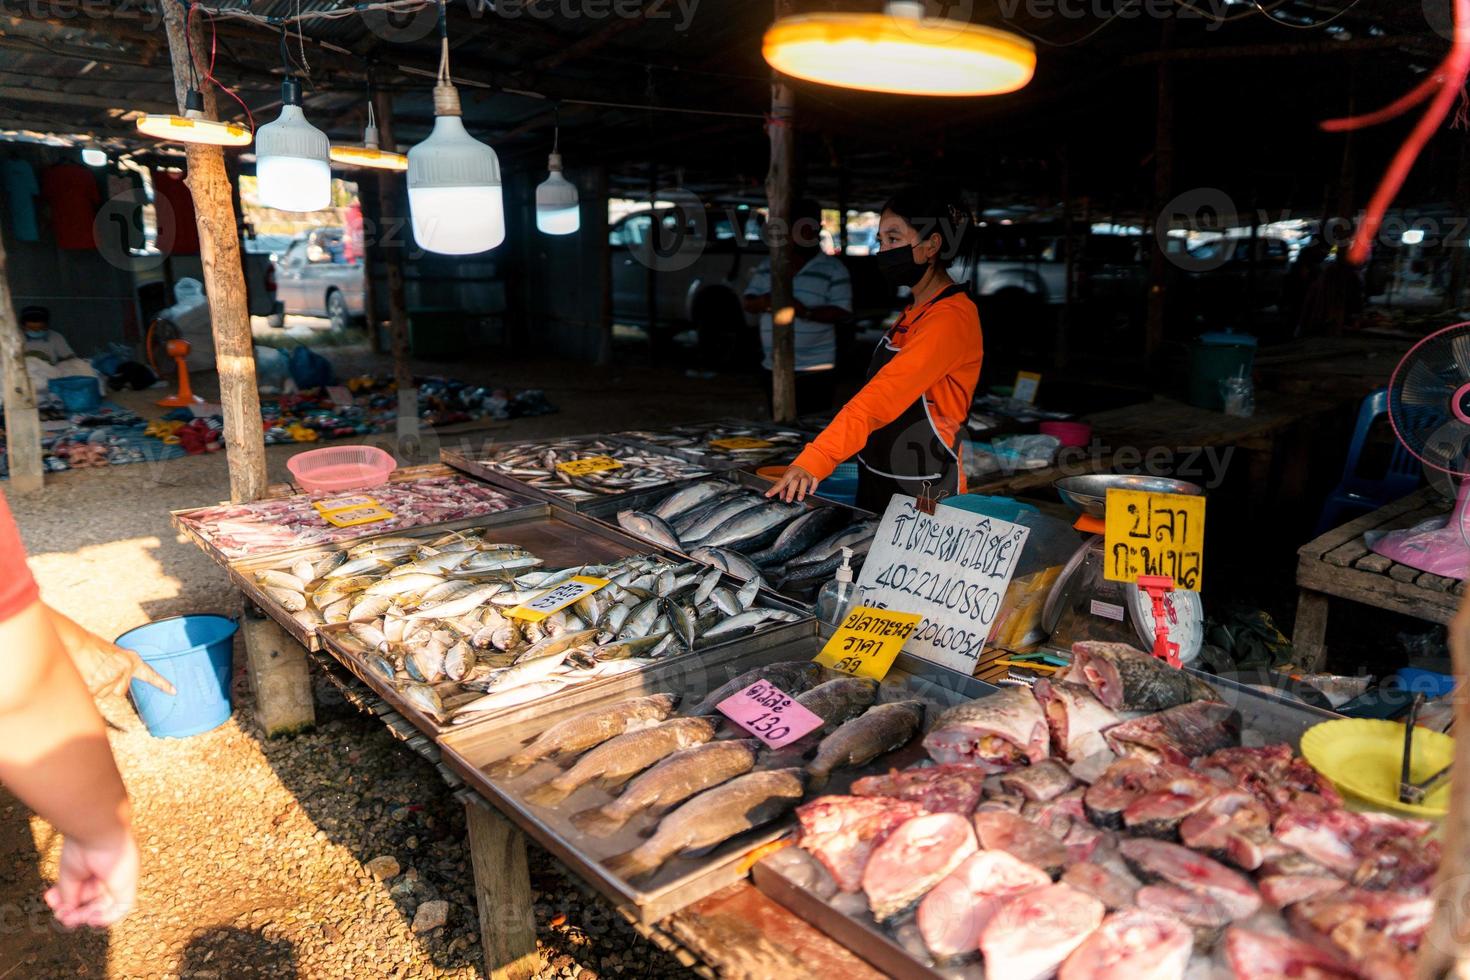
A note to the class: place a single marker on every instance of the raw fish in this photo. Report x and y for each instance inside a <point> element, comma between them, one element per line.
<point>1127,679</point>
<point>1132,945</point>
<point>998,732</point>
<point>1034,933</point>
<point>915,858</point>
<point>953,915</point>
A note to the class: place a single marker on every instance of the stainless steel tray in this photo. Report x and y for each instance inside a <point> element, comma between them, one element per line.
<point>714,459</point>
<point>466,461</point>
<point>242,570</point>
<point>563,538</point>
<point>606,512</point>
<point>795,879</point>
<point>685,879</point>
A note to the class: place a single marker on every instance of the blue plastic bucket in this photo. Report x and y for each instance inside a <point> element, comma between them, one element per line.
<point>79,393</point>
<point>196,655</point>
<point>842,485</point>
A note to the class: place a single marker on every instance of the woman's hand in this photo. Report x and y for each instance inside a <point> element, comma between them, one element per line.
<point>96,884</point>
<point>108,669</point>
<point>794,484</point>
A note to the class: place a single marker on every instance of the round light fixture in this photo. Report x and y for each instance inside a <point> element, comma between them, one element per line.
<point>192,127</point>
<point>291,158</point>
<point>900,51</point>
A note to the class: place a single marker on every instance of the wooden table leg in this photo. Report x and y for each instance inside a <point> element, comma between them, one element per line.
<point>279,675</point>
<point>1309,635</point>
<point>503,895</point>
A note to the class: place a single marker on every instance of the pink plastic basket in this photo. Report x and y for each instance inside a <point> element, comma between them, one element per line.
<point>341,468</point>
<point>1068,433</point>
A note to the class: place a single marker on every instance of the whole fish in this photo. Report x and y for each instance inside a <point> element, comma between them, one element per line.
<point>359,566</point>
<point>836,702</point>
<point>717,517</point>
<point>713,816</point>
<point>624,649</point>
<point>750,526</point>
<point>649,528</point>
<point>587,729</point>
<point>510,698</point>
<point>689,497</point>
<point>706,587</point>
<point>368,608</point>
<point>671,782</point>
<point>405,585</point>
<point>287,599</point>
<point>525,672</point>
<point>745,622</point>
<point>1126,679</point>
<point>854,536</point>
<point>451,608</point>
<point>793,677</point>
<point>801,534</point>
<point>727,561</point>
<point>726,601</point>
<point>616,761</point>
<point>880,729</point>
<point>280,580</point>
<point>685,521</point>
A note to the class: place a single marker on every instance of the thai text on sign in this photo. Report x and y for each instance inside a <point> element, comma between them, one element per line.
<point>868,641</point>
<point>1155,534</point>
<point>770,714</point>
<point>557,599</point>
<point>592,464</point>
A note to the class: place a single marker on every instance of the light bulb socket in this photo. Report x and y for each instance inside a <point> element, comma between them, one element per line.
<point>291,90</point>
<point>554,163</point>
<point>907,9</point>
<point>193,102</point>
<point>370,136</point>
<point>446,100</point>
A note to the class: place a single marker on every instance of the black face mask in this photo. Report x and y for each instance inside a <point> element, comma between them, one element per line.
<point>898,267</point>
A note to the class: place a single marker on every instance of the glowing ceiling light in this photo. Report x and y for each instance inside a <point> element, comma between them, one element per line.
<point>94,157</point>
<point>369,155</point>
<point>291,158</point>
<point>558,207</point>
<point>192,127</point>
<point>900,51</point>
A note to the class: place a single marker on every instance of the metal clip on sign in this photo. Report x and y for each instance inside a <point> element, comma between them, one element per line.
<point>926,503</point>
<point>1158,587</point>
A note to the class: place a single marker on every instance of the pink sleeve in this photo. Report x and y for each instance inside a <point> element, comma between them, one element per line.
<point>17,587</point>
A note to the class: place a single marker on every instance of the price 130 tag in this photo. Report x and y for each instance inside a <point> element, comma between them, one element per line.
<point>737,443</point>
<point>770,714</point>
<point>557,599</point>
<point>369,513</point>
<point>868,641</point>
<point>592,464</point>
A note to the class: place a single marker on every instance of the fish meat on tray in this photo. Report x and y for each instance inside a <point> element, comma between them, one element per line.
<point>1206,916</point>
<point>1022,839</point>
<point>1115,888</point>
<point>1127,679</point>
<point>1034,933</point>
<point>669,783</point>
<point>1114,791</point>
<point>1132,945</point>
<point>997,732</point>
<point>1040,781</point>
<point>1076,717</point>
<point>587,729</point>
<point>954,788</point>
<point>1174,864</point>
<point>712,817</point>
<point>540,465</point>
<point>1377,932</point>
<point>695,439</point>
<point>913,859</point>
<point>877,731</point>
<point>954,914</point>
<point>1268,956</point>
<point>1179,734</point>
<point>1174,795</point>
<point>842,831</point>
<point>265,526</point>
<point>616,761</point>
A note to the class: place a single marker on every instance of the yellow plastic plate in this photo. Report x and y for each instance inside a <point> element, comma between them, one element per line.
<point>1363,757</point>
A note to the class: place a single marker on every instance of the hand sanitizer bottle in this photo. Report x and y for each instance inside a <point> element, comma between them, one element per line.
<point>837,596</point>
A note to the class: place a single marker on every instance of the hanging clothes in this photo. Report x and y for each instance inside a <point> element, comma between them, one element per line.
<point>21,191</point>
<point>174,205</point>
<point>72,194</point>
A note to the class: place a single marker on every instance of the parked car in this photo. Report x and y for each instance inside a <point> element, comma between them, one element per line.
<point>318,277</point>
<point>1014,265</point>
<point>1219,277</point>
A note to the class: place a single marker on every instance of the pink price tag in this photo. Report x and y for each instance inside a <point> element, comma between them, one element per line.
<point>770,714</point>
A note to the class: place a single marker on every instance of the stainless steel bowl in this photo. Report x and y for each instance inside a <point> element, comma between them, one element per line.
<point>1089,494</point>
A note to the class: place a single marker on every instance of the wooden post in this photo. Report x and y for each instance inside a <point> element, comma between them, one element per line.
<point>1159,272</point>
<point>224,279</point>
<point>502,895</point>
<point>279,675</point>
<point>778,197</point>
<point>392,223</point>
<point>22,420</point>
<point>1445,950</point>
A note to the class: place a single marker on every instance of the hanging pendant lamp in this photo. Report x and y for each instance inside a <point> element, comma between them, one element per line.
<point>558,207</point>
<point>454,189</point>
<point>192,126</point>
<point>292,158</point>
<point>900,51</point>
<point>369,155</point>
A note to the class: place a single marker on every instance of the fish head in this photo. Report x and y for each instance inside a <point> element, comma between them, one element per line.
<point>666,701</point>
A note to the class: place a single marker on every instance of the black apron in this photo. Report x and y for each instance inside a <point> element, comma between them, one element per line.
<point>907,453</point>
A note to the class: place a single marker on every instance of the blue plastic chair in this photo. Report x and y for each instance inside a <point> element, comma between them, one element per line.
<point>1357,495</point>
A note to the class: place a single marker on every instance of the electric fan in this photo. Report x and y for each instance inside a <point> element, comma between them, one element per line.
<point>1429,408</point>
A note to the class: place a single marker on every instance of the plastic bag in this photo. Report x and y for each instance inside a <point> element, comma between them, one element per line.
<point>310,370</point>
<point>1239,395</point>
<point>1432,546</point>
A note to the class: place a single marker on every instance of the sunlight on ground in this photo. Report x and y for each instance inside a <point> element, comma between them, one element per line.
<point>84,584</point>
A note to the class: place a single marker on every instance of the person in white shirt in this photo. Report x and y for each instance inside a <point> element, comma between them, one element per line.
<point>822,290</point>
<point>47,354</point>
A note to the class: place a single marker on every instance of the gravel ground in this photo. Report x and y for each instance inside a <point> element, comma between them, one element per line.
<point>256,853</point>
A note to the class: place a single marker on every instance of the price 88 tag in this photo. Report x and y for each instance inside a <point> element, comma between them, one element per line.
<point>592,464</point>
<point>868,642</point>
<point>770,714</point>
<point>557,599</point>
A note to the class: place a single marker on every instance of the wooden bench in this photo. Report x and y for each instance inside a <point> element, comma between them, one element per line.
<point>1338,564</point>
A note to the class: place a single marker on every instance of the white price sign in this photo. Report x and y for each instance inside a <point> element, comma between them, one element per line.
<point>952,568</point>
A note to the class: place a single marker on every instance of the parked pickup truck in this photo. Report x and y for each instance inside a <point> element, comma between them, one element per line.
<point>316,278</point>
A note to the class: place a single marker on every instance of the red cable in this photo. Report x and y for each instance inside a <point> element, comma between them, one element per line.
<point>213,51</point>
<point>1450,80</point>
<point>1424,90</point>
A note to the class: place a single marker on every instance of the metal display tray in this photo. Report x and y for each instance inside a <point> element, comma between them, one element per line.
<point>465,461</point>
<point>683,880</point>
<point>606,512</point>
<point>563,538</point>
<point>242,570</point>
<point>714,460</point>
<point>794,880</point>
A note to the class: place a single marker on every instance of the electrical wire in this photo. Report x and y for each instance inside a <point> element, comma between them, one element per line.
<point>1317,25</point>
<point>209,76</point>
<point>1086,37</point>
<point>1215,18</point>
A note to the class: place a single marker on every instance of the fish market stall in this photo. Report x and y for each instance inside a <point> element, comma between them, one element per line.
<point>701,790</point>
<point>575,471</point>
<point>728,522</point>
<point>724,443</point>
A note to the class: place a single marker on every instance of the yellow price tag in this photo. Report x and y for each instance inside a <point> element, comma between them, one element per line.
<point>738,443</point>
<point>332,504</point>
<point>369,513</point>
<point>868,641</point>
<point>1154,534</point>
<point>592,464</point>
<point>554,600</point>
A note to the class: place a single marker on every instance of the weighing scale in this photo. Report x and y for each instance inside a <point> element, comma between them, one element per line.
<point>1084,605</point>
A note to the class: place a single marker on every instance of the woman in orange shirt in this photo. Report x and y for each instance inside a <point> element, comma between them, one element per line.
<point>904,426</point>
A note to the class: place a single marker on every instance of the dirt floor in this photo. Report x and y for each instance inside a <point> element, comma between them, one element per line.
<point>255,852</point>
